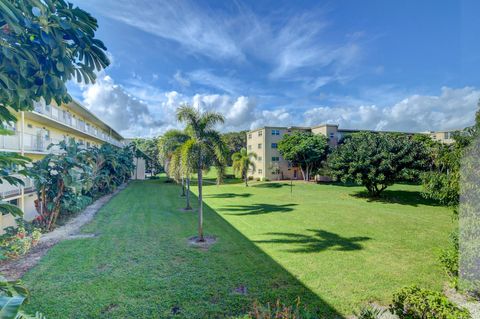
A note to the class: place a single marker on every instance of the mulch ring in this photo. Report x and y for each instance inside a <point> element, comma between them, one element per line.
<point>205,244</point>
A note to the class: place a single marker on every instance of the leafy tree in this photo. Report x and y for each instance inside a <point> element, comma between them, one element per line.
<point>305,150</point>
<point>45,44</point>
<point>58,178</point>
<point>69,181</point>
<point>242,162</point>
<point>442,181</point>
<point>11,163</point>
<point>204,148</point>
<point>234,142</point>
<point>13,295</point>
<point>377,160</point>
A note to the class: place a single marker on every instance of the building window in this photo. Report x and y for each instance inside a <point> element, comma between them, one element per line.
<point>260,145</point>
<point>260,171</point>
<point>332,136</point>
<point>249,147</point>
<point>249,136</point>
<point>275,158</point>
<point>259,158</point>
<point>260,133</point>
<point>274,145</point>
<point>275,132</point>
<point>289,164</point>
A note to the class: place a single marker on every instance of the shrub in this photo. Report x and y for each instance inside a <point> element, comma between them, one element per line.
<point>413,302</point>
<point>370,312</point>
<point>18,241</point>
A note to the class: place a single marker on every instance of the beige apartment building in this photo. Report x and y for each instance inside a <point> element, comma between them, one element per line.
<point>270,165</point>
<point>31,136</point>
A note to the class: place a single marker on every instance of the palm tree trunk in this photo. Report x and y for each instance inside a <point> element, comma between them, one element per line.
<point>183,187</point>
<point>188,194</point>
<point>200,206</point>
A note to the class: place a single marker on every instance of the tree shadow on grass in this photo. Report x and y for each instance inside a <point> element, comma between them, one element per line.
<point>227,195</point>
<point>268,280</point>
<point>272,185</point>
<point>411,198</point>
<point>257,209</point>
<point>320,240</point>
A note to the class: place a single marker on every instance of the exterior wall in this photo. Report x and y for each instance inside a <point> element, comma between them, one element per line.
<point>443,137</point>
<point>330,131</point>
<point>256,144</point>
<point>139,172</point>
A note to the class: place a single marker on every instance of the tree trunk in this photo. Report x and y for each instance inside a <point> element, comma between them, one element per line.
<point>200,206</point>
<point>188,195</point>
<point>246,178</point>
<point>303,172</point>
<point>183,187</point>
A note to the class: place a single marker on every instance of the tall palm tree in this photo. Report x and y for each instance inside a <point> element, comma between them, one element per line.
<point>204,148</point>
<point>242,162</point>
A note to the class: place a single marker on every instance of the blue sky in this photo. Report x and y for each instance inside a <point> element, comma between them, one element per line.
<point>405,65</point>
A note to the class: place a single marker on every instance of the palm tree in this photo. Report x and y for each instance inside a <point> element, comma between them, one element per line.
<point>204,148</point>
<point>242,162</point>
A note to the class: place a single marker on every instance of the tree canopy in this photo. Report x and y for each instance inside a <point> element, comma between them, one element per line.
<point>305,150</point>
<point>44,44</point>
<point>234,142</point>
<point>377,160</point>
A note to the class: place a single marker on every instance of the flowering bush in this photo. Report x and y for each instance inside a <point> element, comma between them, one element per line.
<point>18,241</point>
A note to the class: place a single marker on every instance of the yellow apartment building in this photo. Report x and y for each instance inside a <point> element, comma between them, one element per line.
<point>35,130</point>
<point>270,165</point>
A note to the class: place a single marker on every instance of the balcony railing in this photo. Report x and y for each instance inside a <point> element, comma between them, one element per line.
<point>31,142</point>
<point>66,118</point>
<point>7,190</point>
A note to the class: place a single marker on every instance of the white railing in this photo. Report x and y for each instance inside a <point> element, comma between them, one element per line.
<point>8,190</point>
<point>66,118</point>
<point>31,142</point>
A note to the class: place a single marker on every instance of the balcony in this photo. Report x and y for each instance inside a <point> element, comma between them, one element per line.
<point>66,118</point>
<point>31,143</point>
<point>7,190</point>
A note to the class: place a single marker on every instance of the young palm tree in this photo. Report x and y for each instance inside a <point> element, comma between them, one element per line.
<point>242,162</point>
<point>204,148</point>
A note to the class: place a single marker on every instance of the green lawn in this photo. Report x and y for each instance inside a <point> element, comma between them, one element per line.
<point>320,242</point>
<point>346,249</point>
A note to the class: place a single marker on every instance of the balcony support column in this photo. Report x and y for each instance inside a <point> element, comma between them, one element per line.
<point>22,152</point>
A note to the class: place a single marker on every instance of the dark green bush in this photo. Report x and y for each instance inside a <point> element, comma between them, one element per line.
<point>416,303</point>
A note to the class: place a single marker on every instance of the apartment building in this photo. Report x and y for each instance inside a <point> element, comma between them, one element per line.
<point>35,130</point>
<point>270,165</point>
<point>443,136</point>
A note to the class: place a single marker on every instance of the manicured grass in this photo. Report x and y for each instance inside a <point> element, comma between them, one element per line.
<point>324,243</point>
<point>343,247</point>
<point>141,266</point>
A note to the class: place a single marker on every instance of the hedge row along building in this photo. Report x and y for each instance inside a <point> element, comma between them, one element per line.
<point>270,165</point>
<point>35,130</point>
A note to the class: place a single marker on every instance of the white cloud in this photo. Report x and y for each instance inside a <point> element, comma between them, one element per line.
<point>142,110</point>
<point>197,30</point>
<point>452,109</point>
<point>127,114</point>
<point>287,43</point>
<point>206,78</point>
<point>180,79</point>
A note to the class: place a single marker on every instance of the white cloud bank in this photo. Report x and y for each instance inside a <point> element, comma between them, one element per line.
<point>452,109</point>
<point>141,110</point>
